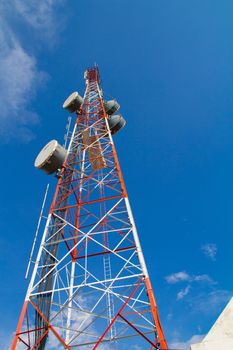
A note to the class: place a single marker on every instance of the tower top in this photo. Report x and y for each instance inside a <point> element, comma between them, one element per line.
<point>92,74</point>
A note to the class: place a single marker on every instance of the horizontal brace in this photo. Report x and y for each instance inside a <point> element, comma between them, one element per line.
<point>103,253</point>
<point>87,203</point>
<point>87,284</point>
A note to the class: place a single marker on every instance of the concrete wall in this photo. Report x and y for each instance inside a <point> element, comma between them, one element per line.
<point>220,336</point>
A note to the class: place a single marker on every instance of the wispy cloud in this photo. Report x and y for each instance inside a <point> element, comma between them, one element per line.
<point>183,292</point>
<point>177,277</point>
<point>6,339</point>
<point>80,320</point>
<point>210,250</point>
<point>211,302</point>
<point>41,15</point>
<point>183,276</point>
<point>20,75</point>
<point>185,345</point>
<point>20,78</point>
<point>203,278</point>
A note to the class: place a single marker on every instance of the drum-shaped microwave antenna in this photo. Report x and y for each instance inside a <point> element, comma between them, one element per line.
<point>73,102</point>
<point>116,122</point>
<point>51,157</point>
<point>111,106</point>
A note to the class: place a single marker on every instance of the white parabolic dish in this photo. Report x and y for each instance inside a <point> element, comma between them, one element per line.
<point>51,157</point>
<point>45,154</point>
<point>70,99</point>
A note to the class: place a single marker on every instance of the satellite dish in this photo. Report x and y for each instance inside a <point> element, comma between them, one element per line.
<point>111,106</point>
<point>73,102</point>
<point>51,157</point>
<point>116,122</point>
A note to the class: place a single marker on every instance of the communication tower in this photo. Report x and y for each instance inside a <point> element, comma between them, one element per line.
<point>90,287</point>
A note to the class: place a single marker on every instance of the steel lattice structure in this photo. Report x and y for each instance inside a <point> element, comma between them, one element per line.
<point>90,286</point>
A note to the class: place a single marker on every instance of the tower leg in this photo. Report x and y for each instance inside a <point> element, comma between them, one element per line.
<point>19,326</point>
<point>154,308</point>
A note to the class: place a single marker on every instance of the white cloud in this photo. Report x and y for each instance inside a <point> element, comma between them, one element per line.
<point>210,303</point>
<point>41,15</point>
<point>20,78</point>
<point>79,320</point>
<point>181,345</point>
<point>203,278</point>
<point>6,340</point>
<point>183,292</point>
<point>183,276</point>
<point>209,250</point>
<point>177,277</point>
<point>20,75</point>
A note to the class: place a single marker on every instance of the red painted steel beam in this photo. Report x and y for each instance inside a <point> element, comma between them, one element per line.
<point>138,331</point>
<point>40,339</point>
<point>156,315</point>
<point>50,326</point>
<point>21,318</point>
<point>117,315</point>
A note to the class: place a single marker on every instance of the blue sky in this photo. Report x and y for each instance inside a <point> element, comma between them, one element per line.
<point>169,64</point>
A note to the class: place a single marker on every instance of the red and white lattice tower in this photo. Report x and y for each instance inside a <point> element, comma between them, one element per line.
<point>90,287</point>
